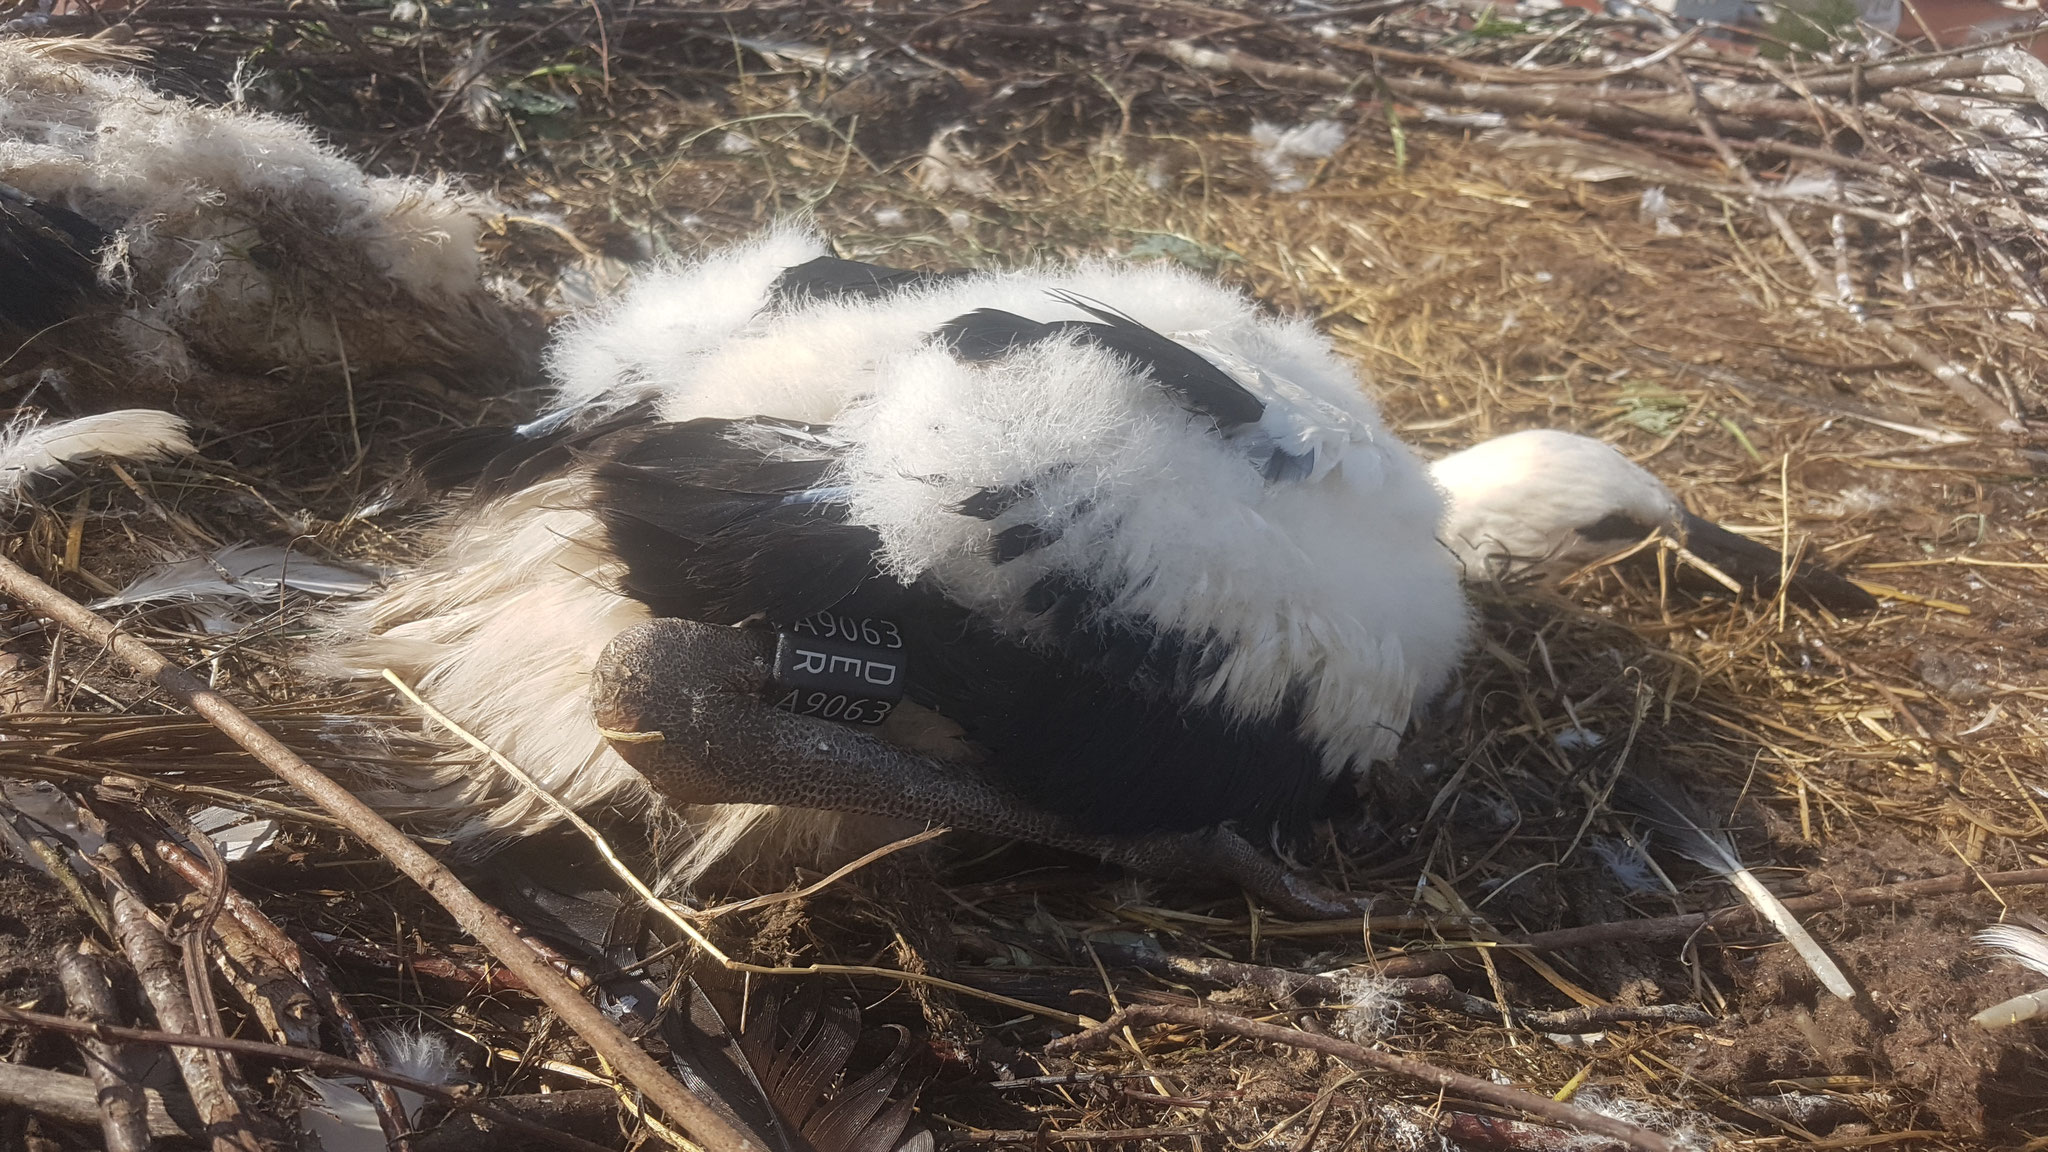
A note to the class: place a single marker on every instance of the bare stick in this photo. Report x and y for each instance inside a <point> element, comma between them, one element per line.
<point>469,911</point>
<point>266,934</point>
<point>1442,1079</point>
<point>74,1100</point>
<point>1150,1137</point>
<point>1669,110</point>
<point>124,1111</point>
<point>163,984</point>
<point>1282,984</point>
<point>309,1058</point>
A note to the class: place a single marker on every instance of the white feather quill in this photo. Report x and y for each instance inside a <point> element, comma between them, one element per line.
<point>2025,947</point>
<point>31,447</point>
<point>1663,804</point>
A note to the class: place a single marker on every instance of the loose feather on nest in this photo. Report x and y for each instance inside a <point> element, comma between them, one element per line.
<point>241,572</point>
<point>2028,948</point>
<point>31,447</point>
<point>783,1078</point>
<point>1693,834</point>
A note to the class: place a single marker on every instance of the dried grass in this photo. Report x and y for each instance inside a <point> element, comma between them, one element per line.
<point>1480,294</point>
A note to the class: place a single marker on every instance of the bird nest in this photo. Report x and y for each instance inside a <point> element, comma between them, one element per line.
<point>1490,265</point>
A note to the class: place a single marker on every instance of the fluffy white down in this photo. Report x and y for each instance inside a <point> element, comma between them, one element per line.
<point>1519,500</point>
<point>191,189</point>
<point>501,630</point>
<point>1337,589</point>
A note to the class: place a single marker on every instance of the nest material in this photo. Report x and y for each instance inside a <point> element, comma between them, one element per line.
<point>1483,293</point>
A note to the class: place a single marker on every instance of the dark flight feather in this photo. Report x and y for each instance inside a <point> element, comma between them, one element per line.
<point>496,459</point>
<point>1200,385</point>
<point>1022,540</point>
<point>987,334</point>
<point>830,278</point>
<point>783,1078</point>
<point>705,526</point>
<point>49,260</point>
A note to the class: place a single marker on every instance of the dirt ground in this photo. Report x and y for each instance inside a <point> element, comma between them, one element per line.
<point>1479,293</point>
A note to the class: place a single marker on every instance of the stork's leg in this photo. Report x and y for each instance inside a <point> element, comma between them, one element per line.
<point>684,705</point>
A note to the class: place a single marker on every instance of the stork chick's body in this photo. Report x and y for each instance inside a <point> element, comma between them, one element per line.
<point>1140,593</point>
<point>221,261</point>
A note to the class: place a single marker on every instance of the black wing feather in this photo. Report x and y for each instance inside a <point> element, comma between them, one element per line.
<point>1093,717</point>
<point>830,278</point>
<point>987,334</point>
<point>709,530</point>
<point>49,260</point>
<point>496,459</point>
<point>1200,385</point>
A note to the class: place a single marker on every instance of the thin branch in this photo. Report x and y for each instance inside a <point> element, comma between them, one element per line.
<point>469,911</point>
<point>1721,919</point>
<point>304,1057</point>
<point>1441,1079</point>
<point>74,1100</point>
<point>123,1109</point>
<point>251,920</point>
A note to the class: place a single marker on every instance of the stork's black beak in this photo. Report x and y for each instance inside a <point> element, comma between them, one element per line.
<point>1757,567</point>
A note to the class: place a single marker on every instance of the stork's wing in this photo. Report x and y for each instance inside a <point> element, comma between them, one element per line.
<point>497,459</point>
<point>725,521</point>
<point>989,333</point>
<point>1092,715</point>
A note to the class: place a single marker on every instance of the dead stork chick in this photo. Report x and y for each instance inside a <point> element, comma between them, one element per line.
<point>220,261</point>
<point>1094,556</point>
<point>1550,502</point>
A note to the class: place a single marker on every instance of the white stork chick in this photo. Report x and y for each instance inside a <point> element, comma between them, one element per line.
<point>1548,502</point>
<point>1097,556</point>
<point>159,250</point>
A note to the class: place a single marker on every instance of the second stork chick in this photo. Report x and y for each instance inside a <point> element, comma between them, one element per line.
<point>1096,556</point>
<point>221,262</point>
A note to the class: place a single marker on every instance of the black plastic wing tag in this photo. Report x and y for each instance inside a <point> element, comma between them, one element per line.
<point>839,668</point>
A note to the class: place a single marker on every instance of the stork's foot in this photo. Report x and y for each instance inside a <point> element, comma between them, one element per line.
<point>685,704</point>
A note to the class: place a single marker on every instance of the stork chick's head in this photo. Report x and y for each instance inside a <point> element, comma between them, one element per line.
<point>1549,502</point>
<point>1547,499</point>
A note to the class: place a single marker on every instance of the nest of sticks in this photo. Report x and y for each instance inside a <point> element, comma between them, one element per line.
<point>1801,285</point>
